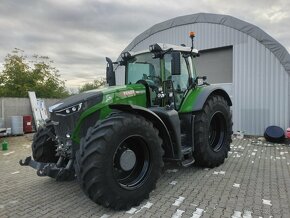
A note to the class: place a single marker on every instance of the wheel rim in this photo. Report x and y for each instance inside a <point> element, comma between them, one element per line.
<point>131,162</point>
<point>217,131</point>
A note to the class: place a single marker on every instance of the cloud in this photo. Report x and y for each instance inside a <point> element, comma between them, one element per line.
<point>79,34</point>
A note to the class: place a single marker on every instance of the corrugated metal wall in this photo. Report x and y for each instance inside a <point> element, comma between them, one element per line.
<point>19,107</point>
<point>260,89</point>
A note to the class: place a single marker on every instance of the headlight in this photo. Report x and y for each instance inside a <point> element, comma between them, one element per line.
<point>126,55</point>
<point>70,110</point>
<point>155,48</point>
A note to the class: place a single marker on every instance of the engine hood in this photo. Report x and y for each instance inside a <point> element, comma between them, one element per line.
<point>92,97</point>
<point>75,114</point>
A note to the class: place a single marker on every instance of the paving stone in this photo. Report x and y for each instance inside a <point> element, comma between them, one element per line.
<point>27,195</point>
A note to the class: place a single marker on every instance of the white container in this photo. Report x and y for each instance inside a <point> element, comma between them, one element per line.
<point>240,134</point>
<point>17,125</point>
<point>8,131</point>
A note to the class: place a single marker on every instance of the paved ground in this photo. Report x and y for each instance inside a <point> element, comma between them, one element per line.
<point>253,182</point>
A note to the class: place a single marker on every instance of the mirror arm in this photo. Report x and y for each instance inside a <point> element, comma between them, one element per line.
<point>110,73</point>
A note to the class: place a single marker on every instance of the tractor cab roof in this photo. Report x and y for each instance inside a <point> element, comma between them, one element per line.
<point>161,47</point>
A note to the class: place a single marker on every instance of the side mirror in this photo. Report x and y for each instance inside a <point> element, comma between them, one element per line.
<point>110,73</point>
<point>200,80</point>
<point>175,63</point>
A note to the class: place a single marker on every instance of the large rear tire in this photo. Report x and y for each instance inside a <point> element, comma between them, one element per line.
<point>212,132</point>
<point>44,145</point>
<point>120,160</point>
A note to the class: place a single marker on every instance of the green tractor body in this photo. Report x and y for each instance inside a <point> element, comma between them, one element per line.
<point>115,139</point>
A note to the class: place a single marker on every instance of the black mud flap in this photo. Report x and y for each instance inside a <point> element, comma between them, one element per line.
<point>51,169</point>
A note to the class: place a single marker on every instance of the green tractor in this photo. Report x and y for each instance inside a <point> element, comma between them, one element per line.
<point>115,140</point>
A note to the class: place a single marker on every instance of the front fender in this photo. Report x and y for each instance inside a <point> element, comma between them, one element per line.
<point>170,152</point>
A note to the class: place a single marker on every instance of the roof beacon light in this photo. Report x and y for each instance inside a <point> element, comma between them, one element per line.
<point>192,34</point>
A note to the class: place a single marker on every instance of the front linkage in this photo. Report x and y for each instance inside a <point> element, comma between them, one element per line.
<point>53,170</point>
<point>50,159</point>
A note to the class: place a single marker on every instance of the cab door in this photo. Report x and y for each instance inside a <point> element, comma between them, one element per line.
<point>178,69</point>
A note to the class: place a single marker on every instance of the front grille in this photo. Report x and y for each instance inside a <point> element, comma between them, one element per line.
<point>64,125</point>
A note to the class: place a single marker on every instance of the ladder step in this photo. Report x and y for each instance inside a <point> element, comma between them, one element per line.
<point>186,150</point>
<point>187,156</point>
<point>187,162</point>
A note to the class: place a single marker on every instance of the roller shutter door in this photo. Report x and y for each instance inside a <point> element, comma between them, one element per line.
<point>216,64</point>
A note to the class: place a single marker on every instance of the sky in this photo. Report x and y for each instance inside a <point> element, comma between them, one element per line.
<point>78,34</point>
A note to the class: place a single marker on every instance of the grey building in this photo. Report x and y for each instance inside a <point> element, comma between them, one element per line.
<point>240,57</point>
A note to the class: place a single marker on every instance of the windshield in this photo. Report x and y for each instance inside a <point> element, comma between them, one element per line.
<point>143,67</point>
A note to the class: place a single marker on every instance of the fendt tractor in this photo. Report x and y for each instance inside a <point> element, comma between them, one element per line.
<point>115,140</point>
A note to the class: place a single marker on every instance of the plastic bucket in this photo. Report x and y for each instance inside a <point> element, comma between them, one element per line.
<point>4,146</point>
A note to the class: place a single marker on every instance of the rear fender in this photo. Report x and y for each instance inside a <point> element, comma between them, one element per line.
<point>195,99</point>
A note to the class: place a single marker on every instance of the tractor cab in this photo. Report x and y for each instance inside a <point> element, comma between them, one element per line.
<point>167,71</point>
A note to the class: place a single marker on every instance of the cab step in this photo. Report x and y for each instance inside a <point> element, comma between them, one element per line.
<point>188,162</point>
<point>185,150</point>
<point>187,156</point>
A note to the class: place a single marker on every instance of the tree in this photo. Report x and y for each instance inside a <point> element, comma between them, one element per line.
<point>18,77</point>
<point>93,85</point>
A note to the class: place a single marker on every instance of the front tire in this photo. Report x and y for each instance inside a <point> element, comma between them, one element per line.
<point>212,132</point>
<point>44,145</point>
<point>120,161</point>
